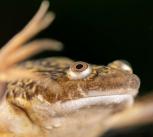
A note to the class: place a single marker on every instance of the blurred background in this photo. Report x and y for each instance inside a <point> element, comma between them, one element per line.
<point>98,31</point>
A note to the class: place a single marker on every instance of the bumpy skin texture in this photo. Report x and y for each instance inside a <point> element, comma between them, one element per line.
<point>37,96</point>
<point>42,104</point>
<point>102,79</point>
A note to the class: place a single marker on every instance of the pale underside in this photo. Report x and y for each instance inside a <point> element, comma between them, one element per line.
<point>90,101</point>
<point>86,120</point>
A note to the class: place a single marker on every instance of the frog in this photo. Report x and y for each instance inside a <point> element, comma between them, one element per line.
<point>36,95</point>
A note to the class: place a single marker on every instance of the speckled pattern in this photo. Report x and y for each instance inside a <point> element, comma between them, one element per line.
<point>101,79</point>
<point>41,95</point>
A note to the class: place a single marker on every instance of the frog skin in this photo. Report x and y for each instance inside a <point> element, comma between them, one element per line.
<point>36,95</point>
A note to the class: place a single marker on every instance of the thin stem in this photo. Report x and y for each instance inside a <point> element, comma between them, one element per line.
<point>40,21</point>
<point>31,49</point>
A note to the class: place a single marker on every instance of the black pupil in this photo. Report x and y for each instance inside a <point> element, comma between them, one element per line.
<point>79,66</point>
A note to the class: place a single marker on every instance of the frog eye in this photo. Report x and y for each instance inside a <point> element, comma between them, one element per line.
<point>79,70</point>
<point>121,64</point>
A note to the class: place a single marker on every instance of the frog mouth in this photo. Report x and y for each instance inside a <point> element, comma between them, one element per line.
<point>102,100</point>
<point>121,91</point>
<point>97,98</point>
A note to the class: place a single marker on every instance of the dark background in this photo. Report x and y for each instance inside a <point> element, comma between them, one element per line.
<point>96,31</point>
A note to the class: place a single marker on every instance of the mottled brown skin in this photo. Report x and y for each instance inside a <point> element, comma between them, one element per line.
<point>32,93</point>
<point>43,98</point>
<point>36,101</point>
<point>102,78</point>
<point>32,102</point>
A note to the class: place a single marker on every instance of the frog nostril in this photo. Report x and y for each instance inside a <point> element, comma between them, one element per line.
<point>134,83</point>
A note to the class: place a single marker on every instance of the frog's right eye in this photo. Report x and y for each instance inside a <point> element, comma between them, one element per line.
<point>121,64</point>
<point>79,70</point>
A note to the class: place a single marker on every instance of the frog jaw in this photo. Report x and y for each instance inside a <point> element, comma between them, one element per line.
<point>106,100</point>
<point>120,91</point>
